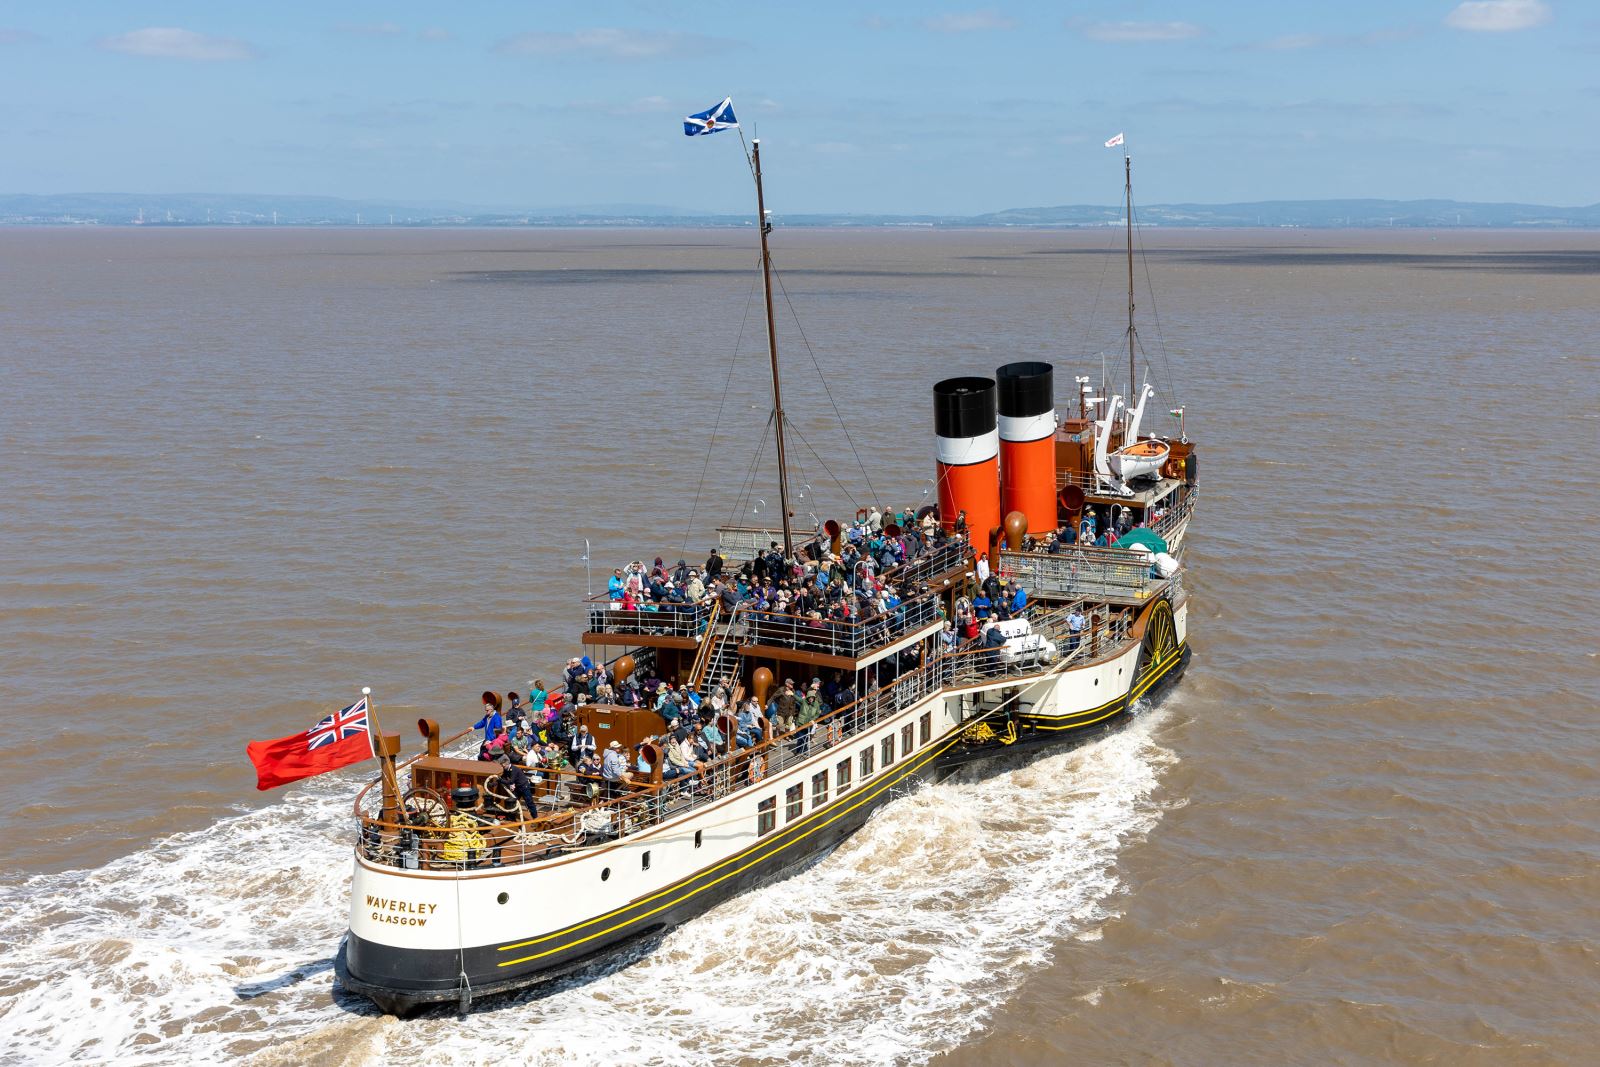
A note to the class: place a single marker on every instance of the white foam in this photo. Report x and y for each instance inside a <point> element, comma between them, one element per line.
<point>891,950</point>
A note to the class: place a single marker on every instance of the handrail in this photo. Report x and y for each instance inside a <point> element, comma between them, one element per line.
<point>841,638</point>
<point>702,655</point>
<point>647,804</point>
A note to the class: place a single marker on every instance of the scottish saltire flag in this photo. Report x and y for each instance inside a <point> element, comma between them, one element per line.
<point>338,726</point>
<point>712,119</point>
<point>1114,141</point>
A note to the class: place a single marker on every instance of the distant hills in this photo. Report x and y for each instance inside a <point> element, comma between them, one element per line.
<point>229,209</point>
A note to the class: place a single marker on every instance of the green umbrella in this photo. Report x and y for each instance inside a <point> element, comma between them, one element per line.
<point>1148,538</point>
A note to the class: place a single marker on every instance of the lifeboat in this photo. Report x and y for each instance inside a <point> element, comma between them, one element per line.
<point>1138,460</point>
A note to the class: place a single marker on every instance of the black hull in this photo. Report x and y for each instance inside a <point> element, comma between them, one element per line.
<point>403,982</point>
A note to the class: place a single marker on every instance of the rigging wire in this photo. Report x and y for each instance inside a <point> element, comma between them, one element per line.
<point>1166,370</point>
<point>1105,266</point>
<point>822,461</point>
<point>748,489</point>
<point>726,383</point>
<point>826,392</point>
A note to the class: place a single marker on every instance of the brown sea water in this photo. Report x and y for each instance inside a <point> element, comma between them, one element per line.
<point>246,473</point>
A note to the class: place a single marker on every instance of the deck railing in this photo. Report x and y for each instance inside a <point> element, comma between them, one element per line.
<point>672,620</point>
<point>494,842</point>
<point>1081,572</point>
<point>1175,516</point>
<point>833,638</point>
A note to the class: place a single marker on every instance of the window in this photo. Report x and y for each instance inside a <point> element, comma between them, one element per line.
<point>925,728</point>
<point>644,862</point>
<point>794,802</point>
<point>887,746</point>
<point>766,816</point>
<point>866,762</point>
<point>697,834</point>
<point>905,739</point>
<point>841,776</point>
<point>819,789</point>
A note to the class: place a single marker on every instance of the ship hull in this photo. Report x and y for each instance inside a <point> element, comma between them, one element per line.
<point>445,964</point>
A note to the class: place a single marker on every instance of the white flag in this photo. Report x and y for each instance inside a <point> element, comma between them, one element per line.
<point>1114,141</point>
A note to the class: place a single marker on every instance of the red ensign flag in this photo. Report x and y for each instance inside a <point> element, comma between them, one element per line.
<point>339,740</point>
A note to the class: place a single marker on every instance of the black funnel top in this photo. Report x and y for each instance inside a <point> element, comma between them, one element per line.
<point>1026,388</point>
<point>964,407</point>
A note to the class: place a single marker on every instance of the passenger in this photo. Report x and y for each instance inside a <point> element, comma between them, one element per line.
<point>787,707</point>
<point>983,567</point>
<point>680,756</point>
<point>713,565</point>
<point>981,607</point>
<point>537,693</point>
<point>514,781</point>
<point>616,585</point>
<point>749,724</point>
<point>712,738</point>
<point>493,724</point>
<point>583,744</point>
<point>614,769</point>
<point>1019,601</point>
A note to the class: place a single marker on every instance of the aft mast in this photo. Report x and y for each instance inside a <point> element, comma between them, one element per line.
<point>1127,189</point>
<point>764,227</point>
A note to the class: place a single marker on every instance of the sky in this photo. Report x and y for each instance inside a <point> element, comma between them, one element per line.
<point>904,108</point>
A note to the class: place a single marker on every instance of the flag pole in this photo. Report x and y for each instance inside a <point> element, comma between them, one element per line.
<point>385,748</point>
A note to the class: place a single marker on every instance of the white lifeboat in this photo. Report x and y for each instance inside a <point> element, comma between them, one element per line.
<point>1138,460</point>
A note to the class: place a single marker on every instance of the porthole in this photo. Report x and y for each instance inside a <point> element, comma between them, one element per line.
<point>1097,681</point>
<point>697,834</point>
<point>605,874</point>
<point>644,862</point>
<point>503,898</point>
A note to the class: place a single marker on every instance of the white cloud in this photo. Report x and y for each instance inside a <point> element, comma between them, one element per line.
<point>613,44</point>
<point>168,42</point>
<point>1128,32</point>
<point>971,22</point>
<point>1499,16</point>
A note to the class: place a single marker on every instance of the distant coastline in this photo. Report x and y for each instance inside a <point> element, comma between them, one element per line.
<point>258,210</point>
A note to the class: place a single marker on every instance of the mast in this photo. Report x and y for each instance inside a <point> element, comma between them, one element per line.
<point>1127,188</point>
<point>772,348</point>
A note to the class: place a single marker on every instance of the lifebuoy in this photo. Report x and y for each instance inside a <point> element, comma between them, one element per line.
<point>758,768</point>
<point>835,733</point>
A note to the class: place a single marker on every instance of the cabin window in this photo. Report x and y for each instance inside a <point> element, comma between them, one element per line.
<point>697,834</point>
<point>866,762</point>
<point>819,789</point>
<point>644,862</point>
<point>925,727</point>
<point>794,802</point>
<point>841,776</point>
<point>887,747</point>
<point>605,874</point>
<point>905,739</point>
<point>766,816</point>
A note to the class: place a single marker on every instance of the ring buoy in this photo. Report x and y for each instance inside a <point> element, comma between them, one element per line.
<point>835,733</point>
<point>758,768</point>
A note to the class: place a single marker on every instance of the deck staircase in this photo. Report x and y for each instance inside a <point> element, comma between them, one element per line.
<point>719,653</point>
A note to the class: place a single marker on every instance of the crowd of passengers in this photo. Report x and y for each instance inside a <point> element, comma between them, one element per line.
<point>1094,530</point>
<point>816,585</point>
<point>532,738</point>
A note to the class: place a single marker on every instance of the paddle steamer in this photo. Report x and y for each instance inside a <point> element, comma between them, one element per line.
<point>455,897</point>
